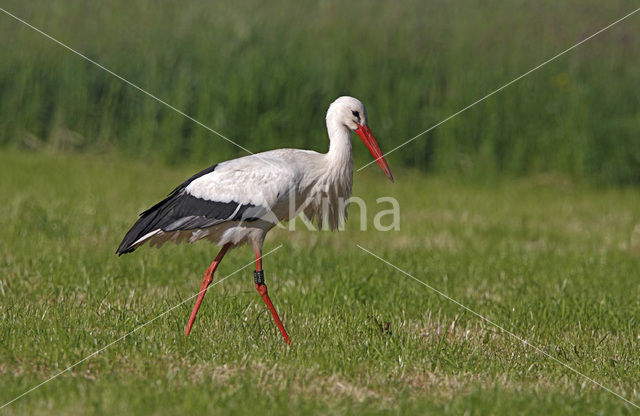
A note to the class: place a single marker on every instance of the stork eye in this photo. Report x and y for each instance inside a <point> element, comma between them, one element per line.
<point>355,113</point>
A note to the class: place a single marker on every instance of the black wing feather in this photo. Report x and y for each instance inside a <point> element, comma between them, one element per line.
<point>182,211</point>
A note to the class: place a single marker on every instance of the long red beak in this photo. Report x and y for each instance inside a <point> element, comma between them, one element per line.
<point>367,137</point>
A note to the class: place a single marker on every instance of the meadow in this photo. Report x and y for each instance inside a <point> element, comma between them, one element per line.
<point>525,208</point>
<point>551,261</point>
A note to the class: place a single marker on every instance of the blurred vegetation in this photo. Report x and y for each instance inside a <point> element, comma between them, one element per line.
<point>263,74</point>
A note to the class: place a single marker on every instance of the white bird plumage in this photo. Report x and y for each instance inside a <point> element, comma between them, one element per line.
<point>274,182</point>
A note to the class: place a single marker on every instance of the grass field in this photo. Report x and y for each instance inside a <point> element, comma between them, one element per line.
<point>554,262</point>
<point>521,208</point>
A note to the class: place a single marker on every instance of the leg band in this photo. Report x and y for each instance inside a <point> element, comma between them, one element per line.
<point>258,277</point>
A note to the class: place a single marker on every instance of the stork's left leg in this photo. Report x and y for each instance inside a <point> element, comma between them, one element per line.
<point>262,289</point>
<point>208,278</point>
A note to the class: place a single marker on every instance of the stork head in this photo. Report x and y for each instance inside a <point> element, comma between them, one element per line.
<point>350,112</point>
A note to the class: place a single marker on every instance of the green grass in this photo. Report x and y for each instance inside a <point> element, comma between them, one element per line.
<point>554,262</point>
<point>265,75</point>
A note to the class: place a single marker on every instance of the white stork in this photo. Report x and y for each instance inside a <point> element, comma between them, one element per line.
<point>236,202</point>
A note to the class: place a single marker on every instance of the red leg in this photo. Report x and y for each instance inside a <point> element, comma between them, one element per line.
<point>262,289</point>
<point>208,278</point>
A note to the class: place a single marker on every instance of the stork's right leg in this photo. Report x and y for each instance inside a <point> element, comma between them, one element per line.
<point>208,278</point>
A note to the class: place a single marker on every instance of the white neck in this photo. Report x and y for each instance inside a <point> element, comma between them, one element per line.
<point>330,185</point>
<point>339,155</point>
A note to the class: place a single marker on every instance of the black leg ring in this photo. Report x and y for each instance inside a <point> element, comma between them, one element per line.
<point>258,277</point>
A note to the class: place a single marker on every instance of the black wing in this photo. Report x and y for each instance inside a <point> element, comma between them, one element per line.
<point>182,211</point>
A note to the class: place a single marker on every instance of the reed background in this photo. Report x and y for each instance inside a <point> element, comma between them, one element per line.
<point>264,74</point>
